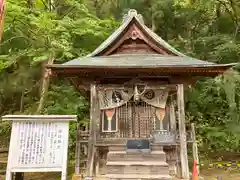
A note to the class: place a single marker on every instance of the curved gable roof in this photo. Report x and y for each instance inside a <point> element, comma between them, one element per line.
<point>134,16</point>
<point>171,62</point>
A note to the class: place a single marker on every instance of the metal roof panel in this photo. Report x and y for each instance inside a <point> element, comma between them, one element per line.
<point>137,60</point>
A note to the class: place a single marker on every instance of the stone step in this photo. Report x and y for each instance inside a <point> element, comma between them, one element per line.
<point>122,155</point>
<point>101,177</point>
<point>138,170</point>
<point>154,147</point>
<point>133,168</point>
<point>137,163</point>
<point>138,177</point>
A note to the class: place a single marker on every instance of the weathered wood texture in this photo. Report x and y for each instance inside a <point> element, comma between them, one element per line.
<point>171,157</point>
<point>104,73</point>
<point>178,163</point>
<point>92,137</point>
<point>172,115</point>
<point>77,153</point>
<point>182,133</point>
<point>134,40</point>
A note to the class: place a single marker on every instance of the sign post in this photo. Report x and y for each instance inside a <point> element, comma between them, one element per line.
<point>39,143</point>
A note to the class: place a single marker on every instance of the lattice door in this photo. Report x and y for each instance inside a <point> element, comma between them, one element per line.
<point>136,120</point>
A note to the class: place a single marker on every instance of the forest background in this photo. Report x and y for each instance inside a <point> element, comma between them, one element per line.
<point>37,32</point>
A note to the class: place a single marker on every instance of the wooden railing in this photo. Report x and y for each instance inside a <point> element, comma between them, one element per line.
<point>158,136</point>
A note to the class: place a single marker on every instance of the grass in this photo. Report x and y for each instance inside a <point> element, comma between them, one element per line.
<point>212,174</point>
<point>43,176</point>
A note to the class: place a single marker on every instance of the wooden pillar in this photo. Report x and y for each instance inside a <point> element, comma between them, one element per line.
<point>19,176</point>
<point>97,162</point>
<point>77,152</point>
<point>194,147</point>
<point>97,131</point>
<point>172,115</point>
<point>182,133</point>
<point>92,131</point>
<point>179,172</point>
<point>173,129</point>
<point>161,124</point>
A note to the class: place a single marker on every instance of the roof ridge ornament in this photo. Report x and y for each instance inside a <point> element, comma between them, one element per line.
<point>133,13</point>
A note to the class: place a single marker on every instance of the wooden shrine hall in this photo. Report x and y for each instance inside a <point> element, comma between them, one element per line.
<point>136,83</point>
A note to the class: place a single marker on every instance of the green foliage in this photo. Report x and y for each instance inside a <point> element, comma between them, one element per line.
<point>33,35</point>
<point>215,111</point>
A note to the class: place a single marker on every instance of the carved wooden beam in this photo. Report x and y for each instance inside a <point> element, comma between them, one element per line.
<point>134,33</point>
<point>80,86</point>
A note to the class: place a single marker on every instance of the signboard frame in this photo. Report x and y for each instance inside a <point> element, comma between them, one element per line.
<point>38,119</point>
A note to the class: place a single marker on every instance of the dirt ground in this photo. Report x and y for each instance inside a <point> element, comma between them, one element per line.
<point>208,174</point>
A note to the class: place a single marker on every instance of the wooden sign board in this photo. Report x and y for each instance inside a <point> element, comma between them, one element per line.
<point>38,144</point>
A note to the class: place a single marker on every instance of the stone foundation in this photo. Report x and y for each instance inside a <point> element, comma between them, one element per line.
<point>137,165</point>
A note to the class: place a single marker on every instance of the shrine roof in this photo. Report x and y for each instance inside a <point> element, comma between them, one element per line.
<point>134,47</point>
<point>127,19</point>
<point>136,61</point>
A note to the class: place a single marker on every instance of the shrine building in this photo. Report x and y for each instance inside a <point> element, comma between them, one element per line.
<point>136,83</point>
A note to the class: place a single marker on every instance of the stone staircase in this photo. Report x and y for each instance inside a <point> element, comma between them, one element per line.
<point>137,165</point>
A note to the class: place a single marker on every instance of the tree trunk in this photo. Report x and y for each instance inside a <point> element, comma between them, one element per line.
<point>45,85</point>
<point>152,18</point>
<point>22,101</point>
<point>30,4</point>
<point>153,24</point>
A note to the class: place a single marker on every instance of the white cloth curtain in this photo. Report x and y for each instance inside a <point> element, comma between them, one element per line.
<point>112,98</point>
<point>156,97</point>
